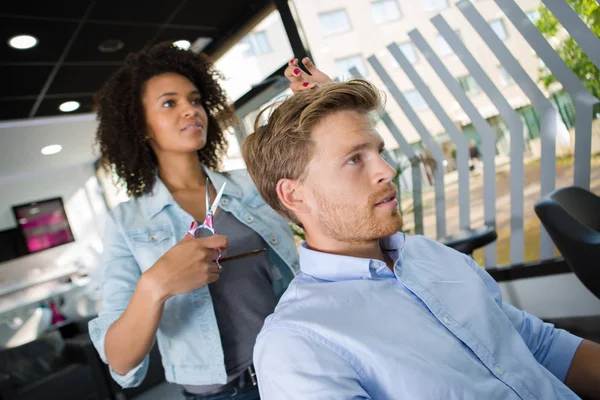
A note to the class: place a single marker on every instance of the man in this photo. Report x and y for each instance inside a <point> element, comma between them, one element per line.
<point>376,314</point>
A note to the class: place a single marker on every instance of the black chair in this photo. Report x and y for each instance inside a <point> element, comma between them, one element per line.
<point>468,240</point>
<point>571,216</point>
<point>51,367</point>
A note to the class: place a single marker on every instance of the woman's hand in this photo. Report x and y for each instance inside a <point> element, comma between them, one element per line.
<point>187,266</point>
<point>300,80</point>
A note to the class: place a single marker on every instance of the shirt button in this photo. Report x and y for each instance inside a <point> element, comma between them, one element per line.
<point>249,218</point>
<point>295,265</point>
<point>498,370</point>
<point>153,238</point>
<point>446,320</point>
<point>274,240</point>
<point>224,201</point>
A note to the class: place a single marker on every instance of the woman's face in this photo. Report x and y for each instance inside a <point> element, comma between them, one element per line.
<point>175,118</point>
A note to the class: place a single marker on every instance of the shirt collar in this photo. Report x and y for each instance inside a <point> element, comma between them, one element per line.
<point>334,267</point>
<point>160,197</point>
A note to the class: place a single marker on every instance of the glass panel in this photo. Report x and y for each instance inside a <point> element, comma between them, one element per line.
<point>443,47</point>
<point>334,22</point>
<point>261,52</point>
<point>416,100</point>
<point>505,78</point>
<point>385,11</point>
<point>431,5</point>
<point>343,65</point>
<point>498,27</point>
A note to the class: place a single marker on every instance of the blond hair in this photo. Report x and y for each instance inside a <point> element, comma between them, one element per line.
<point>282,148</point>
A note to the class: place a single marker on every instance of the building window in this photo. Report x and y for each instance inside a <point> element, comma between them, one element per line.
<point>385,11</point>
<point>533,16</point>
<point>431,5</point>
<point>408,49</point>
<point>505,78</point>
<point>258,44</point>
<point>334,22</point>
<point>443,47</point>
<point>343,65</point>
<point>498,27</point>
<point>415,100</point>
<point>468,84</point>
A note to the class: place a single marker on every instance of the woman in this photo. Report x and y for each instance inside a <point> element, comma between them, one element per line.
<point>161,131</point>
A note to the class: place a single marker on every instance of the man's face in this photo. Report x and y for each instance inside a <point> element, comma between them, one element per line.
<point>348,188</point>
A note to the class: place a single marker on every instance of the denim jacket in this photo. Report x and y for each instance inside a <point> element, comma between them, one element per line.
<point>139,232</point>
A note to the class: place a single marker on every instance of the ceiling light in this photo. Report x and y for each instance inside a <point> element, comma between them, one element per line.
<point>182,44</point>
<point>52,149</point>
<point>22,42</point>
<point>111,45</point>
<point>69,106</point>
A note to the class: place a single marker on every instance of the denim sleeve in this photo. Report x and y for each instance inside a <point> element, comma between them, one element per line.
<point>120,275</point>
<point>290,364</point>
<point>552,347</point>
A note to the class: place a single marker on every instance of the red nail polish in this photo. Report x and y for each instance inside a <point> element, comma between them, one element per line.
<point>192,225</point>
<point>305,84</point>
<point>296,71</point>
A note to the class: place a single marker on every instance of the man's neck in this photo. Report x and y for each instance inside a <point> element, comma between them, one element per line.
<point>367,249</point>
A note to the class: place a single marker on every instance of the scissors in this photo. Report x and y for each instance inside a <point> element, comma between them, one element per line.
<point>208,223</point>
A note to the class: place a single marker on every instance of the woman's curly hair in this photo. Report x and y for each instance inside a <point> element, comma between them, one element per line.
<point>121,135</point>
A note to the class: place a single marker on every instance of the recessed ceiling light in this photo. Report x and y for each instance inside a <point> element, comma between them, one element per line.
<point>69,106</point>
<point>22,42</point>
<point>52,149</point>
<point>111,45</point>
<point>182,44</point>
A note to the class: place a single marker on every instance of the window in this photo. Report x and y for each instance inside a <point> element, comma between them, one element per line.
<point>443,47</point>
<point>258,44</point>
<point>408,49</point>
<point>415,99</point>
<point>468,84</point>
<point>343,65</point>
<point>334,22</point>
<point>498,27</point>
<point>385,11</point>
<point>504,76</point>
<point>431,5</point>
<point>533,16</point>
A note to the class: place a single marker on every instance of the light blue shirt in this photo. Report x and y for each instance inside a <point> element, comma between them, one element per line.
<point>435,328</point>
<point>138,233</point>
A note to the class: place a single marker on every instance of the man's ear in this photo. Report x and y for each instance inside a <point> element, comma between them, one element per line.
<point>291,194</point>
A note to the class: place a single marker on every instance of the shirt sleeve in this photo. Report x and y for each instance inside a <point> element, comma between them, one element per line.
<point>290,364</point>
<point>120,275</point>
<point>552,347</point>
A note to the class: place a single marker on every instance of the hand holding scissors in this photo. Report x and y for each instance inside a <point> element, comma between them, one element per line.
<point>209,222</point>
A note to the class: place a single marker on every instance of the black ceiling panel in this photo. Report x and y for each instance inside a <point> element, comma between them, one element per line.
<point>85,47</point>
<point>71,9</point>
<point>15,109</point>
<point>79,26</point>
<point>78,79</point>
<point>52,37</point>
<point>147,11</point>
<point>22,81</point>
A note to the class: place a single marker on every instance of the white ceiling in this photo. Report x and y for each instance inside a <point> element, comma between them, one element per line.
<point>22,140</point>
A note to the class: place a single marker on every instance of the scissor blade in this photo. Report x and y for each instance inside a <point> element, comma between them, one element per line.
<point>207,195</point>
<point>215,204</point>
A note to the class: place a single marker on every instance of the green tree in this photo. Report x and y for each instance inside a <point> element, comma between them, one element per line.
<point>569,51</point>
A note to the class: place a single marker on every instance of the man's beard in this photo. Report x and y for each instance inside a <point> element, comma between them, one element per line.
<point>350,223</point>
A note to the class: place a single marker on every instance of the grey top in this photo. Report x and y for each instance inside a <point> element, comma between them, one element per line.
<point>243,297</point>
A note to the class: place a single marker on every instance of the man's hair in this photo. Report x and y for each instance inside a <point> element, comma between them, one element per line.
<point>282,148</point>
